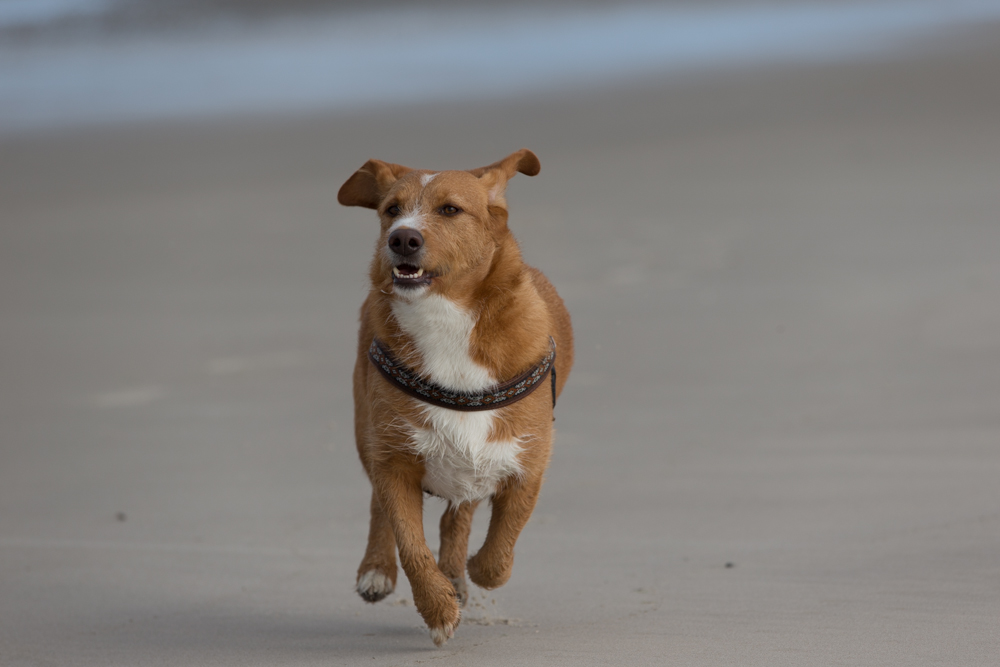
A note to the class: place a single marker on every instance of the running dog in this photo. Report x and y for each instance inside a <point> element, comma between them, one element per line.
<point>462,352</point>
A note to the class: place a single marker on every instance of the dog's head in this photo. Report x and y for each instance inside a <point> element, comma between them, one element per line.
<point>439,229</point>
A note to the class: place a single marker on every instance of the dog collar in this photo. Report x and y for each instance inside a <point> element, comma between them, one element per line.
<point>408,381</point>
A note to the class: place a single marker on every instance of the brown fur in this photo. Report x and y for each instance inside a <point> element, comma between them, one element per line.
<point>476,264</point>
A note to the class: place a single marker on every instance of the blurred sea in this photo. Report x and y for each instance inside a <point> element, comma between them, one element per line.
<point>66,63</point>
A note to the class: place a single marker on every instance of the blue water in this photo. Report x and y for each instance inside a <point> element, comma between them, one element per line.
<point>34,13</point>
<point>398,57</point>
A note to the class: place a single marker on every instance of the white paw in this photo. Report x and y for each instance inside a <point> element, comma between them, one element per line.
<point>442,635</point>
<point>373,586</point>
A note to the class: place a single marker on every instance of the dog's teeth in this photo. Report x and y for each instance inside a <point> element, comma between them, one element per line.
<point>399,274</point>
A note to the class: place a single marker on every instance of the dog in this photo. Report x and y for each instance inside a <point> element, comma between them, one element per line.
<point>462,353</point>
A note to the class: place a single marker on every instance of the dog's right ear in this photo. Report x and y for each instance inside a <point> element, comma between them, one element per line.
<point>368,185</point>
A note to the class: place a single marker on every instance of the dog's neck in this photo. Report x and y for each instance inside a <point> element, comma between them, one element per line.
<point>440,334</point>
<point>476,338</point>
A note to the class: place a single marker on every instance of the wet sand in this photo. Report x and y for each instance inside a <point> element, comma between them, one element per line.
<point>780,444</point>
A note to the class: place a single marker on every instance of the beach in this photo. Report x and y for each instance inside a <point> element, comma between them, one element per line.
<point>780,443</point>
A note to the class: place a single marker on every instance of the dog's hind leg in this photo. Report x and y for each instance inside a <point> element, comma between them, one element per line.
<point>456,522</point>
<point>377,574</point>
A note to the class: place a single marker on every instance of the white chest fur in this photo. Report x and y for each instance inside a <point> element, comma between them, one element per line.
<point>461,463</point>
<point>440,330</point>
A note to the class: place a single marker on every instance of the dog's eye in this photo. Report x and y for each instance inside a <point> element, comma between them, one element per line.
<point>448,209</point>
<point>392,211</point>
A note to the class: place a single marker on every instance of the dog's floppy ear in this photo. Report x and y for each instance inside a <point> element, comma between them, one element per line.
<point>496,175</point>
<point>368,185</point>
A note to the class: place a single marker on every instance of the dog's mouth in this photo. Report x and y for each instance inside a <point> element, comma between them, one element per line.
<point>407,275</point>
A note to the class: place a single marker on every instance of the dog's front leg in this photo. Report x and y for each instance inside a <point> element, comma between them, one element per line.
<point>401,498</point>
<point>377,574</point>
<point>512,507</point>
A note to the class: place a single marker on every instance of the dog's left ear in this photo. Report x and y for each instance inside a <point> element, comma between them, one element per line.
<point>496,175</point>
<point>368,185</point>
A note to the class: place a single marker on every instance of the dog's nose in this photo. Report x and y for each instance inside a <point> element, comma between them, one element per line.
<point>405,241</point>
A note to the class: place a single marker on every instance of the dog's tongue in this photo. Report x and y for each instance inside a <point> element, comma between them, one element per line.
<point>407,269</point>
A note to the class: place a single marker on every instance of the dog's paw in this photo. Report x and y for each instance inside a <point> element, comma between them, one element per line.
<point>441,635</point>
<point>461,590</point>
<point>488,572</point>
<point>373,585</point>
<point>438,605</point>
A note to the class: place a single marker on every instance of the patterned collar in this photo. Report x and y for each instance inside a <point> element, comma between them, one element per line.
<point>408,381</point>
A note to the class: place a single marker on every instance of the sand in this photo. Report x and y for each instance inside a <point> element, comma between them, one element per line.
<point>780,444</point>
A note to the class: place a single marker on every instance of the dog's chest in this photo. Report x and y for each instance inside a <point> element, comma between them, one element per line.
<point>461,463</point>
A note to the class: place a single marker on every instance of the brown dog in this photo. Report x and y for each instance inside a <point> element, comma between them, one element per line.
<point>457,333</point>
